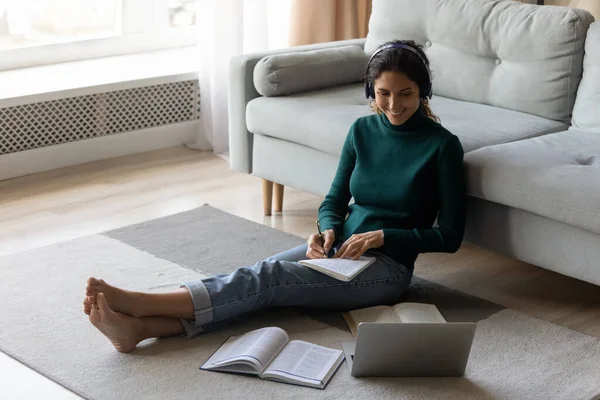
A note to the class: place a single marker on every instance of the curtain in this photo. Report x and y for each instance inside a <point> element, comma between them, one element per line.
<point>227,28</point>
<point>593,6</point>
<point>318,21</point>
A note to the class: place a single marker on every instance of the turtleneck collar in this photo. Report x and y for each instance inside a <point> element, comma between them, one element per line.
<point>414,122</point>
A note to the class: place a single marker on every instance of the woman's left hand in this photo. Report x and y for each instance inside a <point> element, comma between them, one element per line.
<point>358,243</point>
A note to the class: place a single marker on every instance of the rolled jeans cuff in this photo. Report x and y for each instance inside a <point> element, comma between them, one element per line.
<point>203,310</point>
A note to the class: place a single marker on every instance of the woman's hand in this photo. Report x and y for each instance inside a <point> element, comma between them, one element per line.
<point>358,243</point>
<point>318,247</point>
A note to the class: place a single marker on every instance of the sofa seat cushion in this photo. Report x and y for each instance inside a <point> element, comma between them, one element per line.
<point>321,119</point>
<point>556,176</point>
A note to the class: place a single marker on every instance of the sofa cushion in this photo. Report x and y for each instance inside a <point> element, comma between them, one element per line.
<point>480,125</point>
<point>321,119</point>
<point>556,176</point>
<point>586,114</point>
<point>517,56</point>
<point>296,72</point>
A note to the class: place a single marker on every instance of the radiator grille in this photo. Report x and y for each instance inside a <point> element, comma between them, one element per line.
<point>53,122</point>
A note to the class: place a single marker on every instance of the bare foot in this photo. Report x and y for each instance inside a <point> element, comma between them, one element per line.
<point>119,300</point>
<point>122,330</point>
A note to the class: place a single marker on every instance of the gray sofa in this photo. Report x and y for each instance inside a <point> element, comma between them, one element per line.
<point>510,80</point>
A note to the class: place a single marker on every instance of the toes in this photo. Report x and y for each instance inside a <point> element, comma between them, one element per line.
<point>93,287</point>
<point>92,303</point>
<point>93,284</point>
<point>95,281</point>
<point>87,307</point>
<point>101,302</point>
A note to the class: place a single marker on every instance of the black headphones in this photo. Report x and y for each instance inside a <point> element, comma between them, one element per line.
<point>426,92</point>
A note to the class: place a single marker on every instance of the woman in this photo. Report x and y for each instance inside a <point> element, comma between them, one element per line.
<point>401,167</point>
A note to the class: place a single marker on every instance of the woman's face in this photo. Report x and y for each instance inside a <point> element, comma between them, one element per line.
<point>396,96</point>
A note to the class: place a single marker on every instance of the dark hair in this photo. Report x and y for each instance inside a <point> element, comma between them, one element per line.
<point>405,61</point>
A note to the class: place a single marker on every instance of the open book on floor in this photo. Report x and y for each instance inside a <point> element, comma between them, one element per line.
<point>401,313</point>
<point>269,354</point>
<point>339,268</point>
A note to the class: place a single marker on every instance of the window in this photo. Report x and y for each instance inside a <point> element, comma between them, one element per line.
<point>37,32</point>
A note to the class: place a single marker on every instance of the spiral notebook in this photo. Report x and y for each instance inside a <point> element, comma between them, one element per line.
<point>339,268</point>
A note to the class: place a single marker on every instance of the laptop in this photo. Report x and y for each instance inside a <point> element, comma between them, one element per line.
<point>410,349</point>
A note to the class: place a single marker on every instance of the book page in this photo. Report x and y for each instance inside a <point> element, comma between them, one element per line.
<point>374,314</point>
<point>418,312</point>
<point>339,267</point>
<point>258,347</point>
<point>303,361</point>
<point>351,324</point>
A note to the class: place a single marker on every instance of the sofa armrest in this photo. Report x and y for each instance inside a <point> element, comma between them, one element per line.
<point>306,71</point>
<point>242,90</point>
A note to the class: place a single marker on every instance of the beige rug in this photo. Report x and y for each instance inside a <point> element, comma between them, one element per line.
<point>42,325</point>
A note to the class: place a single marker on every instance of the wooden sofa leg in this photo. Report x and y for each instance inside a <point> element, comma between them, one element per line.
<point>278,193</point>
<point>267,193</point>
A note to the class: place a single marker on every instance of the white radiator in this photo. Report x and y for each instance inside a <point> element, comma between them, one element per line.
<point>38,125</point>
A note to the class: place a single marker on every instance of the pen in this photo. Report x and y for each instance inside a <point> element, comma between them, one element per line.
<point>320,235</point>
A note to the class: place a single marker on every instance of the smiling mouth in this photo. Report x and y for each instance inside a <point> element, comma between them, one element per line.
<point>395,113</point>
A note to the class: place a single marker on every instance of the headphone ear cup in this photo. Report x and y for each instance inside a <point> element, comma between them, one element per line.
<point>369,92</point>
<point>426,92</point>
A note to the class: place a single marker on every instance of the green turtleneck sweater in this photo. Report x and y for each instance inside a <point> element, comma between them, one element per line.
<point>401,178</point>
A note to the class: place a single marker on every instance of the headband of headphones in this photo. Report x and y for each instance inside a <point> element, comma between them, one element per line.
<point>425,92</point>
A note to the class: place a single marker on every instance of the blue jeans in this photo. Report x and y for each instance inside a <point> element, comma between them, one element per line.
<point>279,281</point>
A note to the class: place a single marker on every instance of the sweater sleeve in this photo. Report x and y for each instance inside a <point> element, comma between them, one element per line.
<point>333,210</point>
<point>448,235</point>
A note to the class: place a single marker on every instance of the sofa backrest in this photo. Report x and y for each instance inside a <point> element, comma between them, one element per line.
<point>586,114</point>
<point>517,56</point>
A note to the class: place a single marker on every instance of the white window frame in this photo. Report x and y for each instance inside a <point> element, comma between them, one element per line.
<point>144,27</point>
